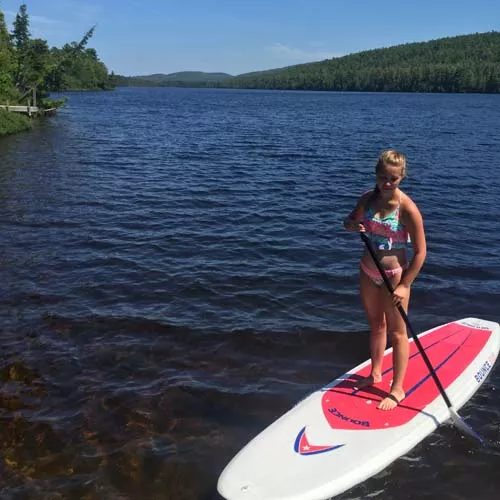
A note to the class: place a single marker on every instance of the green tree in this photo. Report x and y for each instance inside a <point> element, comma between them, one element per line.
<point>20,37</point>
<point>75,67</point>
<point>20,33</point>
<point>37,60</point>
<point>7,64</point>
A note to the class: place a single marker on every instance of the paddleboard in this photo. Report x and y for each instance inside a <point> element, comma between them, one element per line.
<point>336,437</point>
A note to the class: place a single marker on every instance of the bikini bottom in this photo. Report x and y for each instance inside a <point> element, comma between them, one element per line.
<point>375,275</point>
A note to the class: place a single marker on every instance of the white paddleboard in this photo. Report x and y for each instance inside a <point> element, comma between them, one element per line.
<point>336,437</point>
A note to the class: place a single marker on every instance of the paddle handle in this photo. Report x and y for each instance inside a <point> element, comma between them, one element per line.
<point>389,286</point>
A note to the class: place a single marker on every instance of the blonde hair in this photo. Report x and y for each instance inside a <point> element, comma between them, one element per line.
<point>392,158</point>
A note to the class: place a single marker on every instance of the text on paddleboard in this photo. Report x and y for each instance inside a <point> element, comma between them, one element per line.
<point>354,421</point>
<point>482,372</point>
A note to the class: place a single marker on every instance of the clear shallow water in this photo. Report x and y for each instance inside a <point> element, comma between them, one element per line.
<point>174,277</point>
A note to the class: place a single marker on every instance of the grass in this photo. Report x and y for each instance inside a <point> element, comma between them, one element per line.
<point>11,123</point>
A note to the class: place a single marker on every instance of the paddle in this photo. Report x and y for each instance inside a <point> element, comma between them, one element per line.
<point>456,418</point>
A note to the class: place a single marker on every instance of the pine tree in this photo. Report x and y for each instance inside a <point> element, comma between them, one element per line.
<point>21,37</point>
<point>7,64</point>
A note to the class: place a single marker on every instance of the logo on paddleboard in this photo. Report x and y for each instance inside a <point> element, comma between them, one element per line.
<point>483,371</point>
<point>303,447</point>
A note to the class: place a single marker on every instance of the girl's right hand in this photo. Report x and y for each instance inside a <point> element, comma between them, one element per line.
<point>352,225</point>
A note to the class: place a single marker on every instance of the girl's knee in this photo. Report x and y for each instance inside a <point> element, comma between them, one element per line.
<point>378,327</point>
<point>399,336</point>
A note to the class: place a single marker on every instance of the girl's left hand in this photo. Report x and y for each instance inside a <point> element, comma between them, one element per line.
<point>401,292</point>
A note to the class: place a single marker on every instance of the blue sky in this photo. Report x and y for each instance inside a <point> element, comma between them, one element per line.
<point>138,37</point>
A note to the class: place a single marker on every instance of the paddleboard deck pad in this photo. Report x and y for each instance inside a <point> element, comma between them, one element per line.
<point>337,437</point>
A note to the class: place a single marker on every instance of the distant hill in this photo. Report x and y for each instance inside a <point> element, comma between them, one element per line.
<point>182,78</point>
<point>466,63</point>
<point>195,76</point>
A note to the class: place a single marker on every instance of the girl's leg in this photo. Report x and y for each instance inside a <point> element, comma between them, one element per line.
<point>400,349</point>
<point>372,297</point>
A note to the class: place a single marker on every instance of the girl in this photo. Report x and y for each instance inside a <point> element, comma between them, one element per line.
<point>392,221</point>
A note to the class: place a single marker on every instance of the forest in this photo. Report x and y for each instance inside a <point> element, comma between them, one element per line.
<point>29,68</point>
<point>466,63</point>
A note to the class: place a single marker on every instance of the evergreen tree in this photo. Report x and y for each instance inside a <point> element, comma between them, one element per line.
<point>20,33</point>
<point>21,36</point>
<point>7,64</point>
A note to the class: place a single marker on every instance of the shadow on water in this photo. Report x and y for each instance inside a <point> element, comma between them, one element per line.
<point>89,411</point>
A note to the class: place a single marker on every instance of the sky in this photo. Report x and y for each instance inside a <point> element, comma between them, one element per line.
<point>141,37</point>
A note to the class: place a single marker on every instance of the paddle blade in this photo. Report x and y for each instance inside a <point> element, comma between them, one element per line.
<point>464,427</point>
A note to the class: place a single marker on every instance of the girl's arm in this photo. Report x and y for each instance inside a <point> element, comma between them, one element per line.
<point>353,221</point>
<point>412,219</point>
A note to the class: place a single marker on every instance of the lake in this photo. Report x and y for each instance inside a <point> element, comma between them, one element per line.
<point>174,276</point>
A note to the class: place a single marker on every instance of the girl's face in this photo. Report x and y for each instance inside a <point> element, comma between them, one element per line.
<point>389,178</point>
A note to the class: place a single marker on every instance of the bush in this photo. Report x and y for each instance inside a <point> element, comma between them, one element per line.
<point>52,103</point>
<point>10,123</point>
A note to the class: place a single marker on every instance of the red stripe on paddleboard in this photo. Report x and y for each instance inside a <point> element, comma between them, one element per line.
<point>450,350</point>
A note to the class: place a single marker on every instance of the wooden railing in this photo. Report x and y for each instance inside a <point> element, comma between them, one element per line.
<point>30,109</point>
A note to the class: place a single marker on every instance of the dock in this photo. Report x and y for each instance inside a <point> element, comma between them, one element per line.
<point>27,110</point>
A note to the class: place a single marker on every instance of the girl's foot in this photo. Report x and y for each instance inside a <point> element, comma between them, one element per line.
<point>391,400</point>
<point>368,381</point>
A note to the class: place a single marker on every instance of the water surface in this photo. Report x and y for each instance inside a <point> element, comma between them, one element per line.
<point>174,276</point>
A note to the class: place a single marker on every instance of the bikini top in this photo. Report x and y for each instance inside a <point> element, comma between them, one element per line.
<point>386,233</point>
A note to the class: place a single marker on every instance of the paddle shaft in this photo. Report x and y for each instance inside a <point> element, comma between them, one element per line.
<point>389,286</point>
